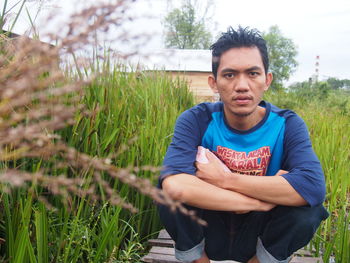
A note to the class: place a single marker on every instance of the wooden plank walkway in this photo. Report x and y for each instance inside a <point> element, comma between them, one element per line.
<point>162,251</point>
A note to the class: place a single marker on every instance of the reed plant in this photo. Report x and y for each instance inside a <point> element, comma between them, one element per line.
<point>77,149</point>
<point>126,123</point>
<point>132,124</point>
<point>328,123</point>
<point>78,145</point>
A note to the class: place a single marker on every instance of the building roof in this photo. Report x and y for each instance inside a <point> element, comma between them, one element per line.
<point>9,34</point>
<point>176,60</point>
<point>15,36</point>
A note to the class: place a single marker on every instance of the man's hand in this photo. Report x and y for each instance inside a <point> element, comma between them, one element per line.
<point>215,172</point>
<point>212,172</point>
<point>193,191</point>
<point>264,206</point>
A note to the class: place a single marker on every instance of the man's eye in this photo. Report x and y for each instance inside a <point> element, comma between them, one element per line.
<point>229,75</point>
<point>253,73</point>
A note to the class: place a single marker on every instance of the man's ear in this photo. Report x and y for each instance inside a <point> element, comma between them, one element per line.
<point>212,83</point>
<point>269,78</point>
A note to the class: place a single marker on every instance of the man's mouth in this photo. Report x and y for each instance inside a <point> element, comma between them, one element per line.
<point>242,100</point>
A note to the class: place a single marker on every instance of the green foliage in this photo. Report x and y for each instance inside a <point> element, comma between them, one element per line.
<point>41,228</point>
<point>282,54</point>
<point>328,121</point>
<point>336,83</point>
<point>332,92</point>
<point>184,30</point>
<point>134,106</point>
<point>309,90</point>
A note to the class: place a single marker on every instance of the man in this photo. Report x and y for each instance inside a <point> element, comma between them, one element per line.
<point>270,202</point>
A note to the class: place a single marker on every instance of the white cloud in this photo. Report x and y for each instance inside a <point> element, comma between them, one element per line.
<point>317,27</point>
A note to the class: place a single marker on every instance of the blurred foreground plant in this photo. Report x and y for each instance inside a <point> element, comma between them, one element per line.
<point>37,99</point>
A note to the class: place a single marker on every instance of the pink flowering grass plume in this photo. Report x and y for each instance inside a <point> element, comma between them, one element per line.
<point>37,99</point>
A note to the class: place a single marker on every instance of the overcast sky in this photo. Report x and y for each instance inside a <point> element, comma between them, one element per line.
<point>317,27</point>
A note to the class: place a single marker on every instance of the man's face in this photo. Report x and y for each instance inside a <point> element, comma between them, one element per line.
<point>241,81</point>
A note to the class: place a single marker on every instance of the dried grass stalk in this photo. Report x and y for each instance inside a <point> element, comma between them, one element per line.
<point>36,100</point>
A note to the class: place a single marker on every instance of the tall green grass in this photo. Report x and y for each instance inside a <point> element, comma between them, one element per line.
<point>328,122</point>
<point>142,108</point>
<point>131,122</point>
<point>138,107</point>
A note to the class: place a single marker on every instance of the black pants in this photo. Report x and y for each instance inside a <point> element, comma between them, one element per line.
<point>228,236</point>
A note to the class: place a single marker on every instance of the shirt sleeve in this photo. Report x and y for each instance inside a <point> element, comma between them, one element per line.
<point>305,172</point>
<point>181,153</point>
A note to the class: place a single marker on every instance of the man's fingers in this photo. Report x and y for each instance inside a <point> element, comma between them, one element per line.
<point>197,164</point>
<point>211,157</point>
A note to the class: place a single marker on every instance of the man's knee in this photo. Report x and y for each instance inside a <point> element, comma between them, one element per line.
<point>304,219</point>
<point>291,228</point>
<point>186,232</point>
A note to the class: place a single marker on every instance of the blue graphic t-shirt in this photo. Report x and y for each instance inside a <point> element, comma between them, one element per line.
<point>279,141</point>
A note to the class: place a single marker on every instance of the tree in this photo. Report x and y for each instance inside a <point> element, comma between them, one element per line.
<point>282,53</point>
<point>184,30</point>
<point>332,84</point>
<point>311,90</point>
<point>336,84</point>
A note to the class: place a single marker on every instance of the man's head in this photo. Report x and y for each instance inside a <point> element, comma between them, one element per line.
<point>240,75</point>
<point>242,37</point>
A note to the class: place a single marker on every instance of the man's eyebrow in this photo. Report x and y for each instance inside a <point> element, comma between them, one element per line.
<point>228,70</point>
<point>254,68</point>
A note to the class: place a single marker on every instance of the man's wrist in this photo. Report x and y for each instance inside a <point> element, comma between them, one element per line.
<point>255,204</point>
<point>230,180</point>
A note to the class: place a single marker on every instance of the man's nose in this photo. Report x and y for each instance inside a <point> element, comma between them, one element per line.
<point>241,84</point>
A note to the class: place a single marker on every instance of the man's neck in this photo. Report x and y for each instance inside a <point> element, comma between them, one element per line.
<point>244,123</point>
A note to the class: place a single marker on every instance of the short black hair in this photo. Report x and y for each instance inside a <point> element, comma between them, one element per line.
<point>242,37</point>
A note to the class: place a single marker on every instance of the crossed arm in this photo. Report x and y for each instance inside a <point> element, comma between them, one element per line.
<point>215,189</point>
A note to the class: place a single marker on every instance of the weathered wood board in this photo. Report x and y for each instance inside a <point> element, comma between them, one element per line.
<point>162,251</point>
